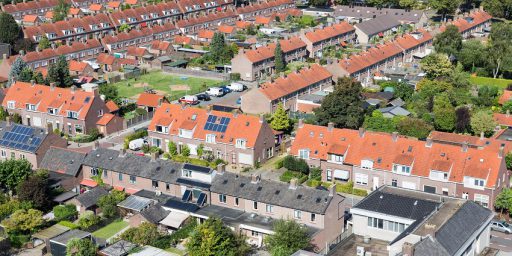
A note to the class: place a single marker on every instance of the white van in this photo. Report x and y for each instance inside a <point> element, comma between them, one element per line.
<point>215,91</point>
<point>136,144</point>
<point>189,99</point>
<point>236,87</point>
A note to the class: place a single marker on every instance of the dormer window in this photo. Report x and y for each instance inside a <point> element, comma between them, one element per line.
<point>72,114</point>
<point>304,154</point>
<point>31,107</point>
<point>401,169</point>
<point>52,111</point>
<point>210,138</point>
<point>241,143</point>
<point>162,129</point>
<point>336,158</point>
<point>479,183</point>
<point>186,173</point>
<point>11,104</point>
<point>438,175</point>
<point>366,164</point>
<point>79,29</point>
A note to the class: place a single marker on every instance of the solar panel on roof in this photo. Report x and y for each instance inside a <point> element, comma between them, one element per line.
<point>201,199</point>
<point>186,196</point>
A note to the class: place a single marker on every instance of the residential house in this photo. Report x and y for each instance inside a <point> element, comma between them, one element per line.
<point>235,138</point>
<point>256,63</point>
<point>150,101</point>
<point>113,108</point>
<point>419,223</point>
<point>191,8</point>
<point>373,159</point>
<point>286,90</point>
<point>83,4</point>
<point>67,109</point>
<point>25,142</point>
<point>505,97</point>
<point>266,8</point>
<point>331,36</point>
<point>108,63</point>
<point>110,123</point>
<point>415,45</point>
<point>96,8</point>
<point>75,13</point>
<point>88,200</point>
<point>78,68</point>
<point>192,25</point>
<point>147,15</point>
<point>59,243</point>
<point>355,14</point>
<point>31,20</point>
<point>141,55</point>
<point>114,6</point>
<point>122,41</point>
<point>477,21</point>
<point>503,119</point>
<point>160,48</point>
<point>19,10</point>
<point>372,30</point>
<point>205,36</point>
<point>64,166</point>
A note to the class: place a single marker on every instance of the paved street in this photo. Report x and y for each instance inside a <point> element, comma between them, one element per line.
<point>501,241</point>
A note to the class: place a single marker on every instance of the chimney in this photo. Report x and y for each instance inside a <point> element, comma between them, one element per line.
<point>49,128</point>
<point>501,151</point>
<point>73,89</point>
<point>154,156</point>
<point>408,249</point>
<point>209,109</point>
<point>52,87</point>
<point>428,143</point>
<point>96,145</point>
<point>32,83</point>
<point>8,121</point>
<point>482,135</point>
<point>301,123</point>
<point>255,178</point>
<point>508,113</point>
<point>293,183</point>
<point>262,118</point>
<point>122,152</point>
<point>465,146</point>
<point>361,132</point>
<point>235,113</point>
<point>221,168</point>
<point>394,136</point>
<point>430,229</point>
<point>332,189</point>
<point>330,126</point>
<point>4,56</point>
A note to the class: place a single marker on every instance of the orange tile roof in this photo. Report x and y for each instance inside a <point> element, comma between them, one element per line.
<point>131,2</point>
<point>95,7</point>
<point>384,151</point>
<point>178,117</point>
<point>112,106</point>
<point>242,24</point>
<point>360,61</point>
<point>327,33</point>
<point>306,108</point>
<point>74,11</point>
<point>21,93</point>
<point>226,29</point>
<point>412,40</point>
<point>114,4</point>
<point>503,119</point>
<point>136,51</point>
<point>294,82</point>
<point>105,119</point>
<point>160,45</point>
<point>49,15</point>
<point>205,33</point>
<point>182,40</point>
<point>266,52</point>
<point>479,17</point>
<point>263,20</point>
<point>456,138</point>
<point>506,96</point>
<point>77,66</point>
<point>30,18</point>
<point>150,99</point>
<point>106,59</point>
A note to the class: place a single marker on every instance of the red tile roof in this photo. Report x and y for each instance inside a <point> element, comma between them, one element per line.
<point>136,51</point>
<point>105,59</point>
<point>182,40</point>
<point>160,45</point>
<point>242,24</point>
<point>77,66</point>
<point>112,106</point>
<point>503,119</point>
<point>326,33</point>
<point>210,18</point>
<point>204,33</point>
<point>30,5</point>
<point>105,119</point>
<point>131,2</point>
<point>74,11</point>
<point>114,4</point>
<point>146,13</point>
<point>226,29</point>
<point>95,7</point>
<point>261,20</point>
<point>464,24</point>
<point>30,18</point>
<point>294,82</point>
<point>506,96</point>
<point>61,50</point>
<point>370,57</point>
<point>150,100</point>
<point>267,52</point>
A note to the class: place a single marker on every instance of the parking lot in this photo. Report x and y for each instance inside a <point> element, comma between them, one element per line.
<point>501,241</point>
<point>229,99</point>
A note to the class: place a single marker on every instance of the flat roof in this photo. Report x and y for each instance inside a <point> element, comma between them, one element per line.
<point>136,203</point>
<point>119,248</point>
<point>64,238</point>
<point>51,232</point>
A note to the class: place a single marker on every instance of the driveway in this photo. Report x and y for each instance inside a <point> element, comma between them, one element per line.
<point>501,241</point>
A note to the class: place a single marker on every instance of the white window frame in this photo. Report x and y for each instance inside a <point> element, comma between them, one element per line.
<point>304,154</point>
<point>241,143</point>
<point>361,179</point>
<point>222,198</point>
<point>269,208</point>
<point>11,104</point>
<point>297,214</point>
<point>210,138</point>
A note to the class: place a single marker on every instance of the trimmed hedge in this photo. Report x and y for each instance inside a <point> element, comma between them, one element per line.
<point>288,175</point>
<point>294,164</point>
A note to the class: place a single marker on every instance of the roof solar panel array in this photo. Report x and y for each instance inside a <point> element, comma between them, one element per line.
<point>217,124</point>
<point>21,138</point>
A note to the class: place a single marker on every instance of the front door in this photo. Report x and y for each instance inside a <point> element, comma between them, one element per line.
<point>375,183</point>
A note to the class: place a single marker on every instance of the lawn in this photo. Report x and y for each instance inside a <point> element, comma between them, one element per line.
<point>172,85</point>
<point>478,80</point>
<point>111,229</point>
<point>175,251</point>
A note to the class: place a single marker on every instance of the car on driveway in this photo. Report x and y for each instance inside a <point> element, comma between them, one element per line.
<point>236,87</point>
<point>215,91</point>
<point>203,97</point>
<point>189,99</point>
<point>225,89</point>
<point>501,226</point>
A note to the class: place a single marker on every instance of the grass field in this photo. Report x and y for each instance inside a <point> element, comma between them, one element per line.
<point>110,230</point>
<point>172,85</point>
<point>502,83</point>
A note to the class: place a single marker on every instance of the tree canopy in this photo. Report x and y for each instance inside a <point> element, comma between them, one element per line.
<point>289,236</point>
<point>498,8</point>
<point>13,172</point>
<point>16,68</point>
<point>279,58</point>
<point>482,122</point>
<point>436,65</point>
<point>499,54</point>
<point>449,41</point>
<point>24,221</point>
<point>60,12</point>
<point>445,7</point>
<point>10,31</point>
<point>145,234</point>
<point>36,190</point>
<point>108,203</point>
<point>80,247</point>
<point>280,120</point>
<point>59,73</point>
<point>504,201</point>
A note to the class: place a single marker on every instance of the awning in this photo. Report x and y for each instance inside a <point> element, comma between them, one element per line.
<point>174,219</point>
<point>119,188</point>
<point>131,191</point>
<point>89,183</point>
<point>341,174</point>
<point>343,43</point>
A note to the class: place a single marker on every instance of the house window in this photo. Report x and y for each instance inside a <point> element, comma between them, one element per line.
<point>367,164</point>
<point>11,104</point>
<point>337,158</point>
<point>120,177</point>
<point>268,208</point>
<point>105,174</point>
<point>78,128</point>
<point>304,153</point>
<point>329,175</point>
<point>255,233</point>
<point>255,205</point>
<point>187,173</point>
<point>297,214</point>
<point>479,183</point>
<point>94,172</point>
<point>465,195</point>
<point>22,156</point>
<point>13,155</point>
<point>482,200</point>
<point>313,217</point>
<point>445,191</point>
<point>236,201</point>
<point>241,143</point>
<point>167,186</point>
<point>3,153</point>
<point>270,152</point>
<point>133,179</point>
<point>31,107</point>
<point>162,129</point>
<point>222,198</point>
<point>72,114</point>
<point>154,184</point>
<point>52,111</point>
<point>210,138</point>
<point>157,142</point>
<point>394,183</point>
<point>361,179</point>
<point>100,112</point>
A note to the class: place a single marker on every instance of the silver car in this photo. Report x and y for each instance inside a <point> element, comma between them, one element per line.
<point>501,226</point>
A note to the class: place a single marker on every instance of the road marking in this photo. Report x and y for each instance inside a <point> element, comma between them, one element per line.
<point>508,238</point>
<point>500,245</point>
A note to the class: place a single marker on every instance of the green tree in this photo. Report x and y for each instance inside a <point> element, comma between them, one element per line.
<point>36,190</point>
<point>213,238</point>
<point>289,236</point>
<point>26,75</point>
<point>508,160</point>
<point>108,203</point>
<point>279,58</point>
<point>80,247</point>
<point>445,7</point>
<point>59,73</point>
<point>15,118</point>
<point>12,205</point>
<point>280,120</point>
<point>124,28</point>
<point>173,148</point>
<point>217,47</point>
<point>404,91</point>
<point>414,127</point>
<point>449,41</point>
<point>44,43</point>
<point>444,113</point>
<point>499,54</point>
<point>9,29</point>
<point>482,122</point>
<point>145,234</point>
<point>407,4</point>
<point>3,114</point>
<point>462,119</point>
<point>318,3</point>
<point>88,219</point>
<point>13,172</point>
<point>65,212</point>
<point>498,8</point>
<point>472,54</point>
<point>504,201</point>
<point>24,221</point>
<point>16,68</point>
<point>377,122</point>
<point>60,12</point>
<point>110,92</point>
<point>185,150</point>
<point>343,106</point>
<point>486,95</point>
<point>436,65</point>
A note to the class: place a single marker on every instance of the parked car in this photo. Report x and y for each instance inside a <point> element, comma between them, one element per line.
<point>203,97</point>
<point>239,101</point>
<point>136,144</point>
<point>225,89</point>
<point>501,226</point>
<point>189,99</point>
<point>215,91</point>
<point>236,87</point>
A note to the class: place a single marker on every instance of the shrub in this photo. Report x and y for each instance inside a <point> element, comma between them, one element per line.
<point>298,165</point>
<point>65,212</point>
<point>279,163</point>
<point>185,150</point>
<point>173,149</point>
<point>289,175</point>
<point>69,224</point>
<point>93,135</point>
<point>235,76</point>
<point>88,220</point>
<point>315,174</point>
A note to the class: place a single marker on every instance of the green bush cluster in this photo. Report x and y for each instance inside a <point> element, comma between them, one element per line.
<point>93,135</point>
<point>297,165</point>
<point>69,224</point>
<point>289,175</point>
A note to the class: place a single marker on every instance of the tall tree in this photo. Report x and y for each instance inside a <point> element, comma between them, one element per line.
<point>44,43</point>
<point>498,8</point>
<point>108,203</point>
<point>60,12</point>
<point>449,41</point>
<point>279,58</point>
<point>444,113</point>
<point>3,114</point>
<point>9,29</point>
<point>343,106</point>
<point>407,4</point>
<point>377,122</point>
<point>36,190</point>
<point>110,92</point>
<point>145,234</point>
<point>217,47</point>
<point>280,120</point>
<point>16,68</point>
<point>13,172</point>
<point>445,7</point>
<point>80,247</point>
<point>462,119</point>
<point>59,73</point>
<point>472,54</point>
<point>482,122</point>
<point>213,238</point>
<point>24,221</point>
<point>289,237</point>
<point>436,65</point>
<point>414,127</point>
<point>26,75</point>
<point>500,47</point>
<point>318,3</point>
<point>504,201</point>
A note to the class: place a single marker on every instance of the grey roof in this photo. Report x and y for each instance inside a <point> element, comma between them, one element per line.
<point>21,137</point>
<point>272,192</point>
<point>395,111</point>
<point>51,232</point>
<point>74,233</point>
<point>371,12</point>
<point>131,164</point>
<point>119,248</point>
<point>63,160</point>
<point>154,213</point>
<point>377,25</point>
<point>397,205</point>
<point>462,225</point>
<point>373,102</point>
<point>91,197</point>
<point>64,196</point>
<point>398,102</point>
<point>428,247</point>
<point>160,197</point>
<point>136,203</point>
<point>315,98</point>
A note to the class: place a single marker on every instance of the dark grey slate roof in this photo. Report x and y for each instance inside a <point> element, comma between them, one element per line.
<point>21,137</point>
<point>272,192</point>
<point>91,197</point>
<point>377,25</point>
<point>397,205</point>
<point>154,213</point>
<point>371,12</point>
<point>74,233</point>
<point>63,160</point>
<point>462,225</point>
<point>395,111</point>
<point>119,248</point>
<point>131,164</point>
<point>429,247</point>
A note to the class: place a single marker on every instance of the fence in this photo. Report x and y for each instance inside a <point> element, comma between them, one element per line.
<point>198,73</point>
<point>139,119</point>
<point>339,240</point>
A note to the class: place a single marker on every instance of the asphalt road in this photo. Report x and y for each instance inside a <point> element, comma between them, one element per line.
<point>501,241</point>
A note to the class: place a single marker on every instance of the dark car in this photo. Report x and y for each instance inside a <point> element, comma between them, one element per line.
<point>203,97</point>
<point>225,89</point>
